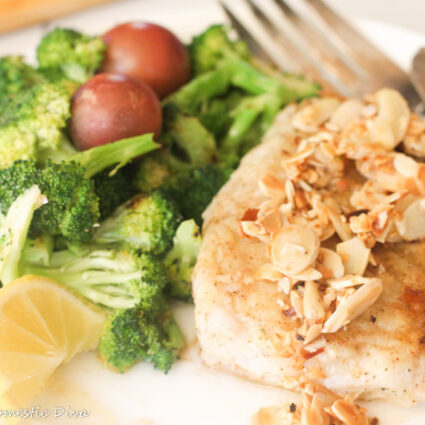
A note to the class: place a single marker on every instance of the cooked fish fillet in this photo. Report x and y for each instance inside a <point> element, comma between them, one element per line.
<point>242,329</point>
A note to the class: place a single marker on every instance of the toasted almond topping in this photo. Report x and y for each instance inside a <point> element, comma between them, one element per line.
<point>249,228</point>
<point>307,274</point>
<point>406,166</point>
<point>268,272</point>
<point>390,125</point>
<point>297,303</point>
<point>272,186</point>
<point>349,413</point>
<point>286,284</point>
<point>412,225</point>
<point>347,281</point>
<point>312,303</point>
<point>354,305</point>
<point>271,222</point>
<point>310,117</point>
<point>332,261</point>
<point>342,228</point>
<point>354,254</point>
<point>294,249</point>
<point>347,113</point>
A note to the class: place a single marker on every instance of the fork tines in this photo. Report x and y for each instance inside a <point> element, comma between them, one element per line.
<point>313,40</point>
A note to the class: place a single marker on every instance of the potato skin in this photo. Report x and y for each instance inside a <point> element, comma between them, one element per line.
<point>149,53</point>
<point>111,107</point>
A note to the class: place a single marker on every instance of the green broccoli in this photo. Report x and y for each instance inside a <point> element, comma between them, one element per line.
<point>112,190</point>
<point>72,207</point>
<point>33,121</point>
<point>14,231</point>
<point>112,278</point>
<point>66,51</point>
<point>151,171</point>
<point>16,76</point>
<point>194,190</point>
<point>181,260</point>
<point>133,335</point>
<point>38,250</point>
<point>146,222</point>
<point>214,44</point>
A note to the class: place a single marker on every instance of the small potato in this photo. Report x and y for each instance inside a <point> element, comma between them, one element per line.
<point>110,107</point>
<point>149,53</point>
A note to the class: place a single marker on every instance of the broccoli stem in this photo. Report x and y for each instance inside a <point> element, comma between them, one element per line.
<point>246,77</point>
<point>14,231</point>
<point>201,89</point>
<point>97,159</point>
<point>242,123</point>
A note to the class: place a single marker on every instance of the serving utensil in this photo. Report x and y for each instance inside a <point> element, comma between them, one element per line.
<point>418,73</point>
<point>318,43</point>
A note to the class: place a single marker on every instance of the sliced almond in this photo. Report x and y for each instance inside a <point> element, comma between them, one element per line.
<point>389,127</point>
<point>310,117</point>
<point>354,305</point>
<point>297,303</point>
<point>268,272</point>
<point>355,255</point>
<point>285,284</point>
<point>313,333</point>
<point>249,228</point>
<point>271,221</point>
<point>346,114</point>
<point>347,281</point>
<point>349,413</point>
<point>406,165</point>
<point>307,274</point>
<point>294,248</point>
<point>342,228</point>
<point>332,261</point>
<point>272,186</point>
<point>312,303</point>
<point>412,225</point>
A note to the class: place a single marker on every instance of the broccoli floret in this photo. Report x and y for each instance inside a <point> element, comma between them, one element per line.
<point>39,250</point>
<point>133,335</point>
<point>214,44</point>
<point>188,142</point>
<point>181,260</point>
<point>14,231</point>
<point>193,191</point>
<point>151,172</point>
<point>114,279</point>
<point>146,222</point>
<point>16,76</point>
<point>112,190</point>
<point>74,54</point>
<point>72,206</point>
<point>33,121</point>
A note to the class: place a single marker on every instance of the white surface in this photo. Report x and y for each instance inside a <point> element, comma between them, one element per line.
<point>190,394</point>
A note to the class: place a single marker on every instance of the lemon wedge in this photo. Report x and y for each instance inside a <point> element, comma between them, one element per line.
<point>42,325</point>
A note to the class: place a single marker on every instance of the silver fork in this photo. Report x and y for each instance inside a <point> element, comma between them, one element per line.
<point>318,43</point>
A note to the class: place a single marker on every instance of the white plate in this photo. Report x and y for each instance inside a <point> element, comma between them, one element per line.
<point>190,394</point>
